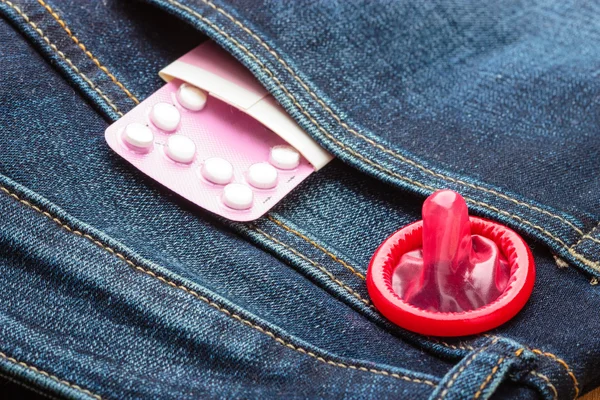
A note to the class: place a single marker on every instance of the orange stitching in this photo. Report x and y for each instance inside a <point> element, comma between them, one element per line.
<point>489,378</point>
<point>87,52</point>
<point>210,302</point>
<point>585,261</point>
<point>564,364</point>
<point>318,246</point>
<point>548,382</point>
<point>493,372</point>
<point>354,132</point>
<point>462,368</point>
<point>62,55</point>
<point>47,375</point>
<point>317,265</point>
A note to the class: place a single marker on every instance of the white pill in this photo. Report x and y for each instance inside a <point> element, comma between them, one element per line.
<point>284,157</point>
<point>217,170</point>
<point>237,196</point>
<point>165,116</point>
<point>262,176</point>
<point>191,97</point>
<point>181,149</point>
<point>138,136</point>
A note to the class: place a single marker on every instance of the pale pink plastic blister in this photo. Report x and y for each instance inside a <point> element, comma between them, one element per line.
<point>218,130</point>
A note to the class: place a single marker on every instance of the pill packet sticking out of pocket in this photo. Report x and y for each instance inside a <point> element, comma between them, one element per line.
<point>217,147</point>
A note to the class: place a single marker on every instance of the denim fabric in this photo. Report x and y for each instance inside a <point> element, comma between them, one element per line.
<point>116,288</point>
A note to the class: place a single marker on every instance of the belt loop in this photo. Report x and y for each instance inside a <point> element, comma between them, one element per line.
<point>478,374</point>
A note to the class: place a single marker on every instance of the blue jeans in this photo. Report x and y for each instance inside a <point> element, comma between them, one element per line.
<point>113,287</point>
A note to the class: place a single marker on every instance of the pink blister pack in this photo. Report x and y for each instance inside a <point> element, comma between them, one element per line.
<point>208,151</point>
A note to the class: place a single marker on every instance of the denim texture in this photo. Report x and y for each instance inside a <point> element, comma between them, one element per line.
<point>116,288</point>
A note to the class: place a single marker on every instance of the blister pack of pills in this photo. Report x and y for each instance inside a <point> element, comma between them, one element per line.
<point>210,150</point>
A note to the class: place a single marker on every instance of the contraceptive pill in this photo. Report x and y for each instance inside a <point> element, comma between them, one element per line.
<point>138,136</point>
<point>180,148</point>
<point>165,116</point>
<point>217,170</point>
<point>190,97</point>
<point>284,157</point>
<point>237,196</point>
<point>262,176</point>
<point>217,157</point>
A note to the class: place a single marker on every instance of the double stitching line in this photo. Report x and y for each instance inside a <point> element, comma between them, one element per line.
<point>88,53</point>
<point>592,264</point>
<point>47,375</point>
<point>62,55</point>
<point>317,246</point>
<point>462,368</point>
<point>493,372</point>
<point>564,365</point>
<point>548,383</point>
<point>210,302</point>
<point>317,265</point>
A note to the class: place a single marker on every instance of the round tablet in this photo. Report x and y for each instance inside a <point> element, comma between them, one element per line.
<point>237,196</point>
<point>217,170</point>
<point>262,176</point>
<point>165,116</point>
<point>284,157</point>
<point>180,148</point>
<point>191,97</point>
<point>138,136</point>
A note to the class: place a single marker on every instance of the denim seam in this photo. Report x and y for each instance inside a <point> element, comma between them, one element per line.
<point>317,246</point>
<point>316,265</point>
<point>463,367</point>
<point>591,264</point>
<point>88,53</point>
<point>564,365</point>
<point>47,375</point>
<point>62,55</point>
<point>209,302</point>
<point>588,236</point>
<point>493,372</point>
<point>548,383</point>
<point>350,129</point>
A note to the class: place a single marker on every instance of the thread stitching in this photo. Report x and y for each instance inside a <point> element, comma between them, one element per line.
<point>210,302</point>
<point>462,368</point>
<point>46,374</point>
<point>88,53</point>
<point>317,246</point>
<point>548,382</point>
<point>62,55</point>
<point>316,265</point>
<point>593,265</point>
<point>363,137</point>
<point>493,372</point>
<point>564,364</point>
<point>587,236</point>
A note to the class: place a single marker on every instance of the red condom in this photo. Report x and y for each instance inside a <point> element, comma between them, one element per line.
<point>451,274</point>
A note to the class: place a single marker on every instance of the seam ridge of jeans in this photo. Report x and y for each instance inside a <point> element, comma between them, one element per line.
<point>62,55</point>
<point>316,245</point>
<point>593,265</point>
<point>588,236</point>
<point>564,364</point>
<point>358,134</point>
<point>209,302</point>
<point>48,375</point>
<point>316,265</point>
<point>27,386</point>
<point>548,383</point>
<point>88,53</point>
